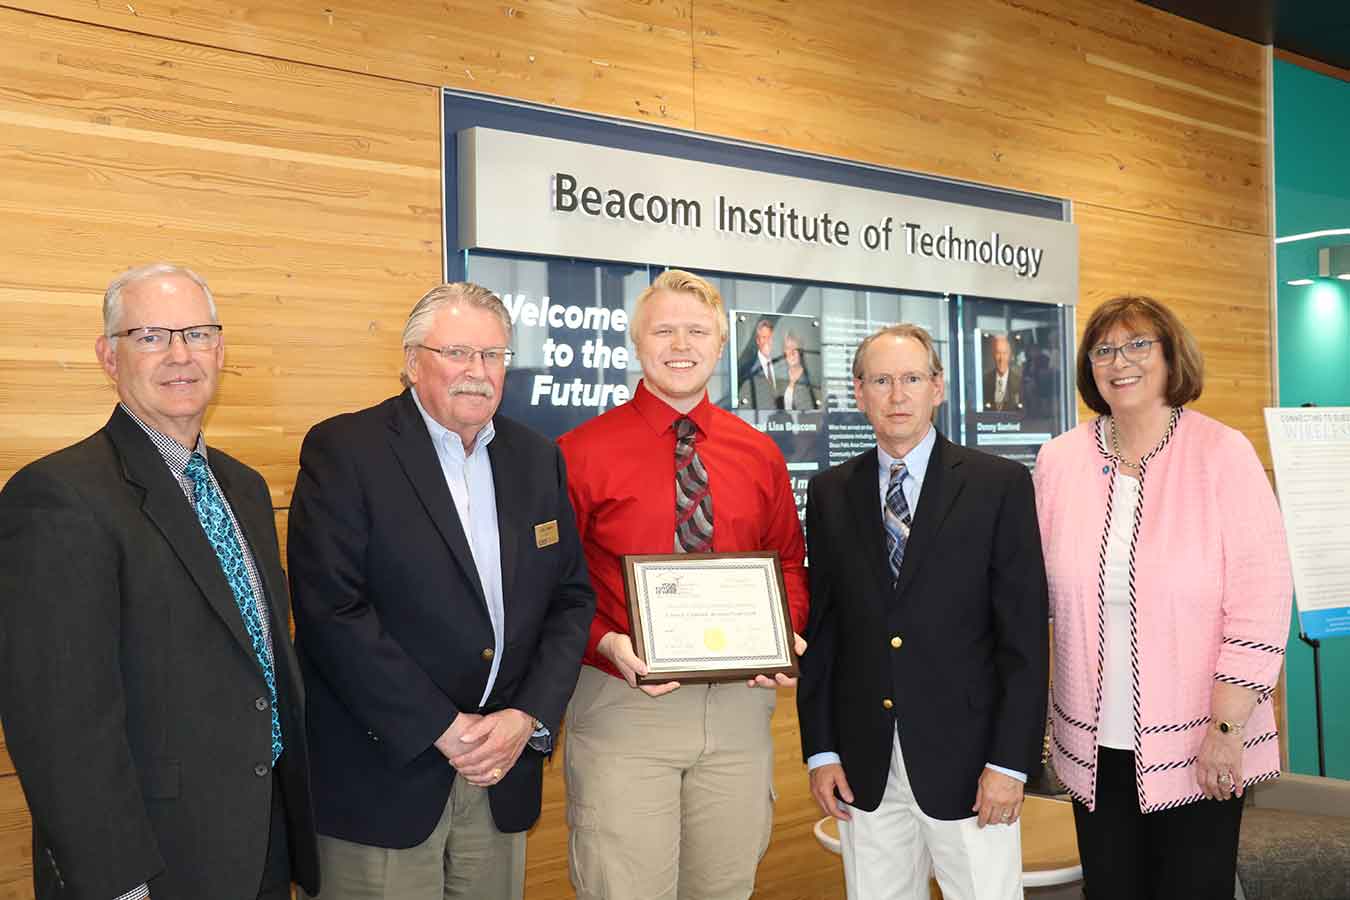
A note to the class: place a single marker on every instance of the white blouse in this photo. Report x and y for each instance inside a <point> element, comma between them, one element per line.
<point>1115,723</point>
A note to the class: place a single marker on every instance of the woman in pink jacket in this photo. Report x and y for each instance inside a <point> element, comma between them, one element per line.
<point>1170,591</point>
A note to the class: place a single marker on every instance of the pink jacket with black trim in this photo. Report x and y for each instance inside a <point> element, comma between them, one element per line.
<point>1210,599</point>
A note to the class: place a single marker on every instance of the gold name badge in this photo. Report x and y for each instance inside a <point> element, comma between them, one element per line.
<point>546,533</point>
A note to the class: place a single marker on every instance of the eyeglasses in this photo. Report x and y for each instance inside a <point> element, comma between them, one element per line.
<point>153,339</point>
<point>1134,350</point>
<point>909,382</point>
<point>460,355</point>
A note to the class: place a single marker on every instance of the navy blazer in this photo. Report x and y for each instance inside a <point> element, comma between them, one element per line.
<point>967,682</point>
<point>392,627</point>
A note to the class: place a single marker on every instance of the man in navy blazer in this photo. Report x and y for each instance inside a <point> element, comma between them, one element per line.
<point>442,607</point>
<point>150,694</point>
<point>922,693</point>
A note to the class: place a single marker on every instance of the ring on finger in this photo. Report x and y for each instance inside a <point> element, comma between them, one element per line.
<point>1225,779</point>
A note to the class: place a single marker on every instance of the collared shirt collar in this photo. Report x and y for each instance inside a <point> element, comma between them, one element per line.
<point>444,437</point>
<point>661,416</point>
<point>176,456</point>
<point>916,460</point>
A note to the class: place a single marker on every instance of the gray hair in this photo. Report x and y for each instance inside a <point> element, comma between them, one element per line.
<point>902,330</point>
<point>457,293</point>
<point>112,297</point>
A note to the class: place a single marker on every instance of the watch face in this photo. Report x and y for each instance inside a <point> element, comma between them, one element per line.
<point>1225,727</point>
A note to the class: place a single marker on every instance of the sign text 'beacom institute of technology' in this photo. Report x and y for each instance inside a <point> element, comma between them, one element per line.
<point>527,194</point>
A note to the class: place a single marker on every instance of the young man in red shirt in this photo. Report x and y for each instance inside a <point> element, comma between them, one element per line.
<point>669,787</point>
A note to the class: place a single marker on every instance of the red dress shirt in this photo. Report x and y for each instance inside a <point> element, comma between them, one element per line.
<point>621,478</point>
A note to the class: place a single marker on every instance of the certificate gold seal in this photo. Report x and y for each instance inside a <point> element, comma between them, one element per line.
<point>715,639</point>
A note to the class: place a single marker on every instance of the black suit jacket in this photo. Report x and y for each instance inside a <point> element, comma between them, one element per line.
<point>968,682</point>
<point>1012,397</point>
<point>392,625</point>
<point>130,687</point>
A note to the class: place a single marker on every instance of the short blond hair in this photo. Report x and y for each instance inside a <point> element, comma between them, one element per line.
<point>679,281</point>
<point>902,330</point>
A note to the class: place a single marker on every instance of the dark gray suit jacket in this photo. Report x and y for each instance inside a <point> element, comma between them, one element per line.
<point>129,688</point>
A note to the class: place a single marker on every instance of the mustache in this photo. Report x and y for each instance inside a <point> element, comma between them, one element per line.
<point>473,388</point>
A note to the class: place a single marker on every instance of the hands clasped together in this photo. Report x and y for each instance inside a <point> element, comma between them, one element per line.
<point>483,749</point>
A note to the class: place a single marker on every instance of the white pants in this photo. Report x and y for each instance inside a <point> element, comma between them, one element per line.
<point>890,853</point>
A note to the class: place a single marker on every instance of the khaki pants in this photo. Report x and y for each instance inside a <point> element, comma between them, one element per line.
<point>668,798</point>
<point>465,856</point>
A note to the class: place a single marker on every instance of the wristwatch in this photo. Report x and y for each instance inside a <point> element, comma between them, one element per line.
<point>1229,727</point>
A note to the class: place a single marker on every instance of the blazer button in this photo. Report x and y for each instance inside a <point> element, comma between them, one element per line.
<point>896,642</point>
<point>260,704</point>
<point>488,653</point>
<point>260,770</point>
<point>887,704</point>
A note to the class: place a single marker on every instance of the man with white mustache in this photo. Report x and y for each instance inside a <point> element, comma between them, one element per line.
<point>442,606</point>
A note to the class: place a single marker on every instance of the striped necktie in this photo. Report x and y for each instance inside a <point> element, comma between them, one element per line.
<point>895,517</point>
<point>693,501</point>
<point>219,530</point>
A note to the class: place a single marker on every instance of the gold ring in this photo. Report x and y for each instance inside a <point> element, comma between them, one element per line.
<point>1225,778</point>
<point>496,774</point>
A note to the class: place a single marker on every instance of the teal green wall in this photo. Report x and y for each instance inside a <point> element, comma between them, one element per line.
<point>1312,193</point>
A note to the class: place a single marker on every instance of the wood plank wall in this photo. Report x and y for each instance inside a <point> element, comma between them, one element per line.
<point>290,152</point>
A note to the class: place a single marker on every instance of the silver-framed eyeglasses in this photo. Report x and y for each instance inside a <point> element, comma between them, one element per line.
<point>908,381</point>
<point>461,355</point>
<point>1134,350</point>
<point>153,339</point>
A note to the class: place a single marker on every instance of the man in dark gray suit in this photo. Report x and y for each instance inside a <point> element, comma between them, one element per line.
<point>150,697</point>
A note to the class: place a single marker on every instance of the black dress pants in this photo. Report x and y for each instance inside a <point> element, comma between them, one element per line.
<point>1186,853</point>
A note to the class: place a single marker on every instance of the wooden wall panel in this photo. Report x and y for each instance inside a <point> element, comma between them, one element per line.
<point>618,57</point>
<point>1115,104</point>
<point>290,153</point>
<point>16,843</point>
<point>309,198</point>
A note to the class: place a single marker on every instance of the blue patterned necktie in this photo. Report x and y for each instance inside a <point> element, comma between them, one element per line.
<point>220,532</point>
<point>895,516</point>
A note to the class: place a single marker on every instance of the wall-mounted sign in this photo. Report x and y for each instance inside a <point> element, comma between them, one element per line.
<point>543,196</point>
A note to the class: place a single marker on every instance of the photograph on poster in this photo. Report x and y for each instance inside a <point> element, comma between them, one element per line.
<point>777,361</point>
<point>1002,378</point>
<point>1017,386</point>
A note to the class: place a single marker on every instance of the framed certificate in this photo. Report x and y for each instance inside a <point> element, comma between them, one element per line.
<point>708,617</point>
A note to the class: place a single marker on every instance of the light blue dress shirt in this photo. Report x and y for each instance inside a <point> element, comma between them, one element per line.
<point>916,467</point>
<point>469,478</point>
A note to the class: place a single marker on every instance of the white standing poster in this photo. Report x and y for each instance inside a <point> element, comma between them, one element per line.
<point>1310,447</point>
